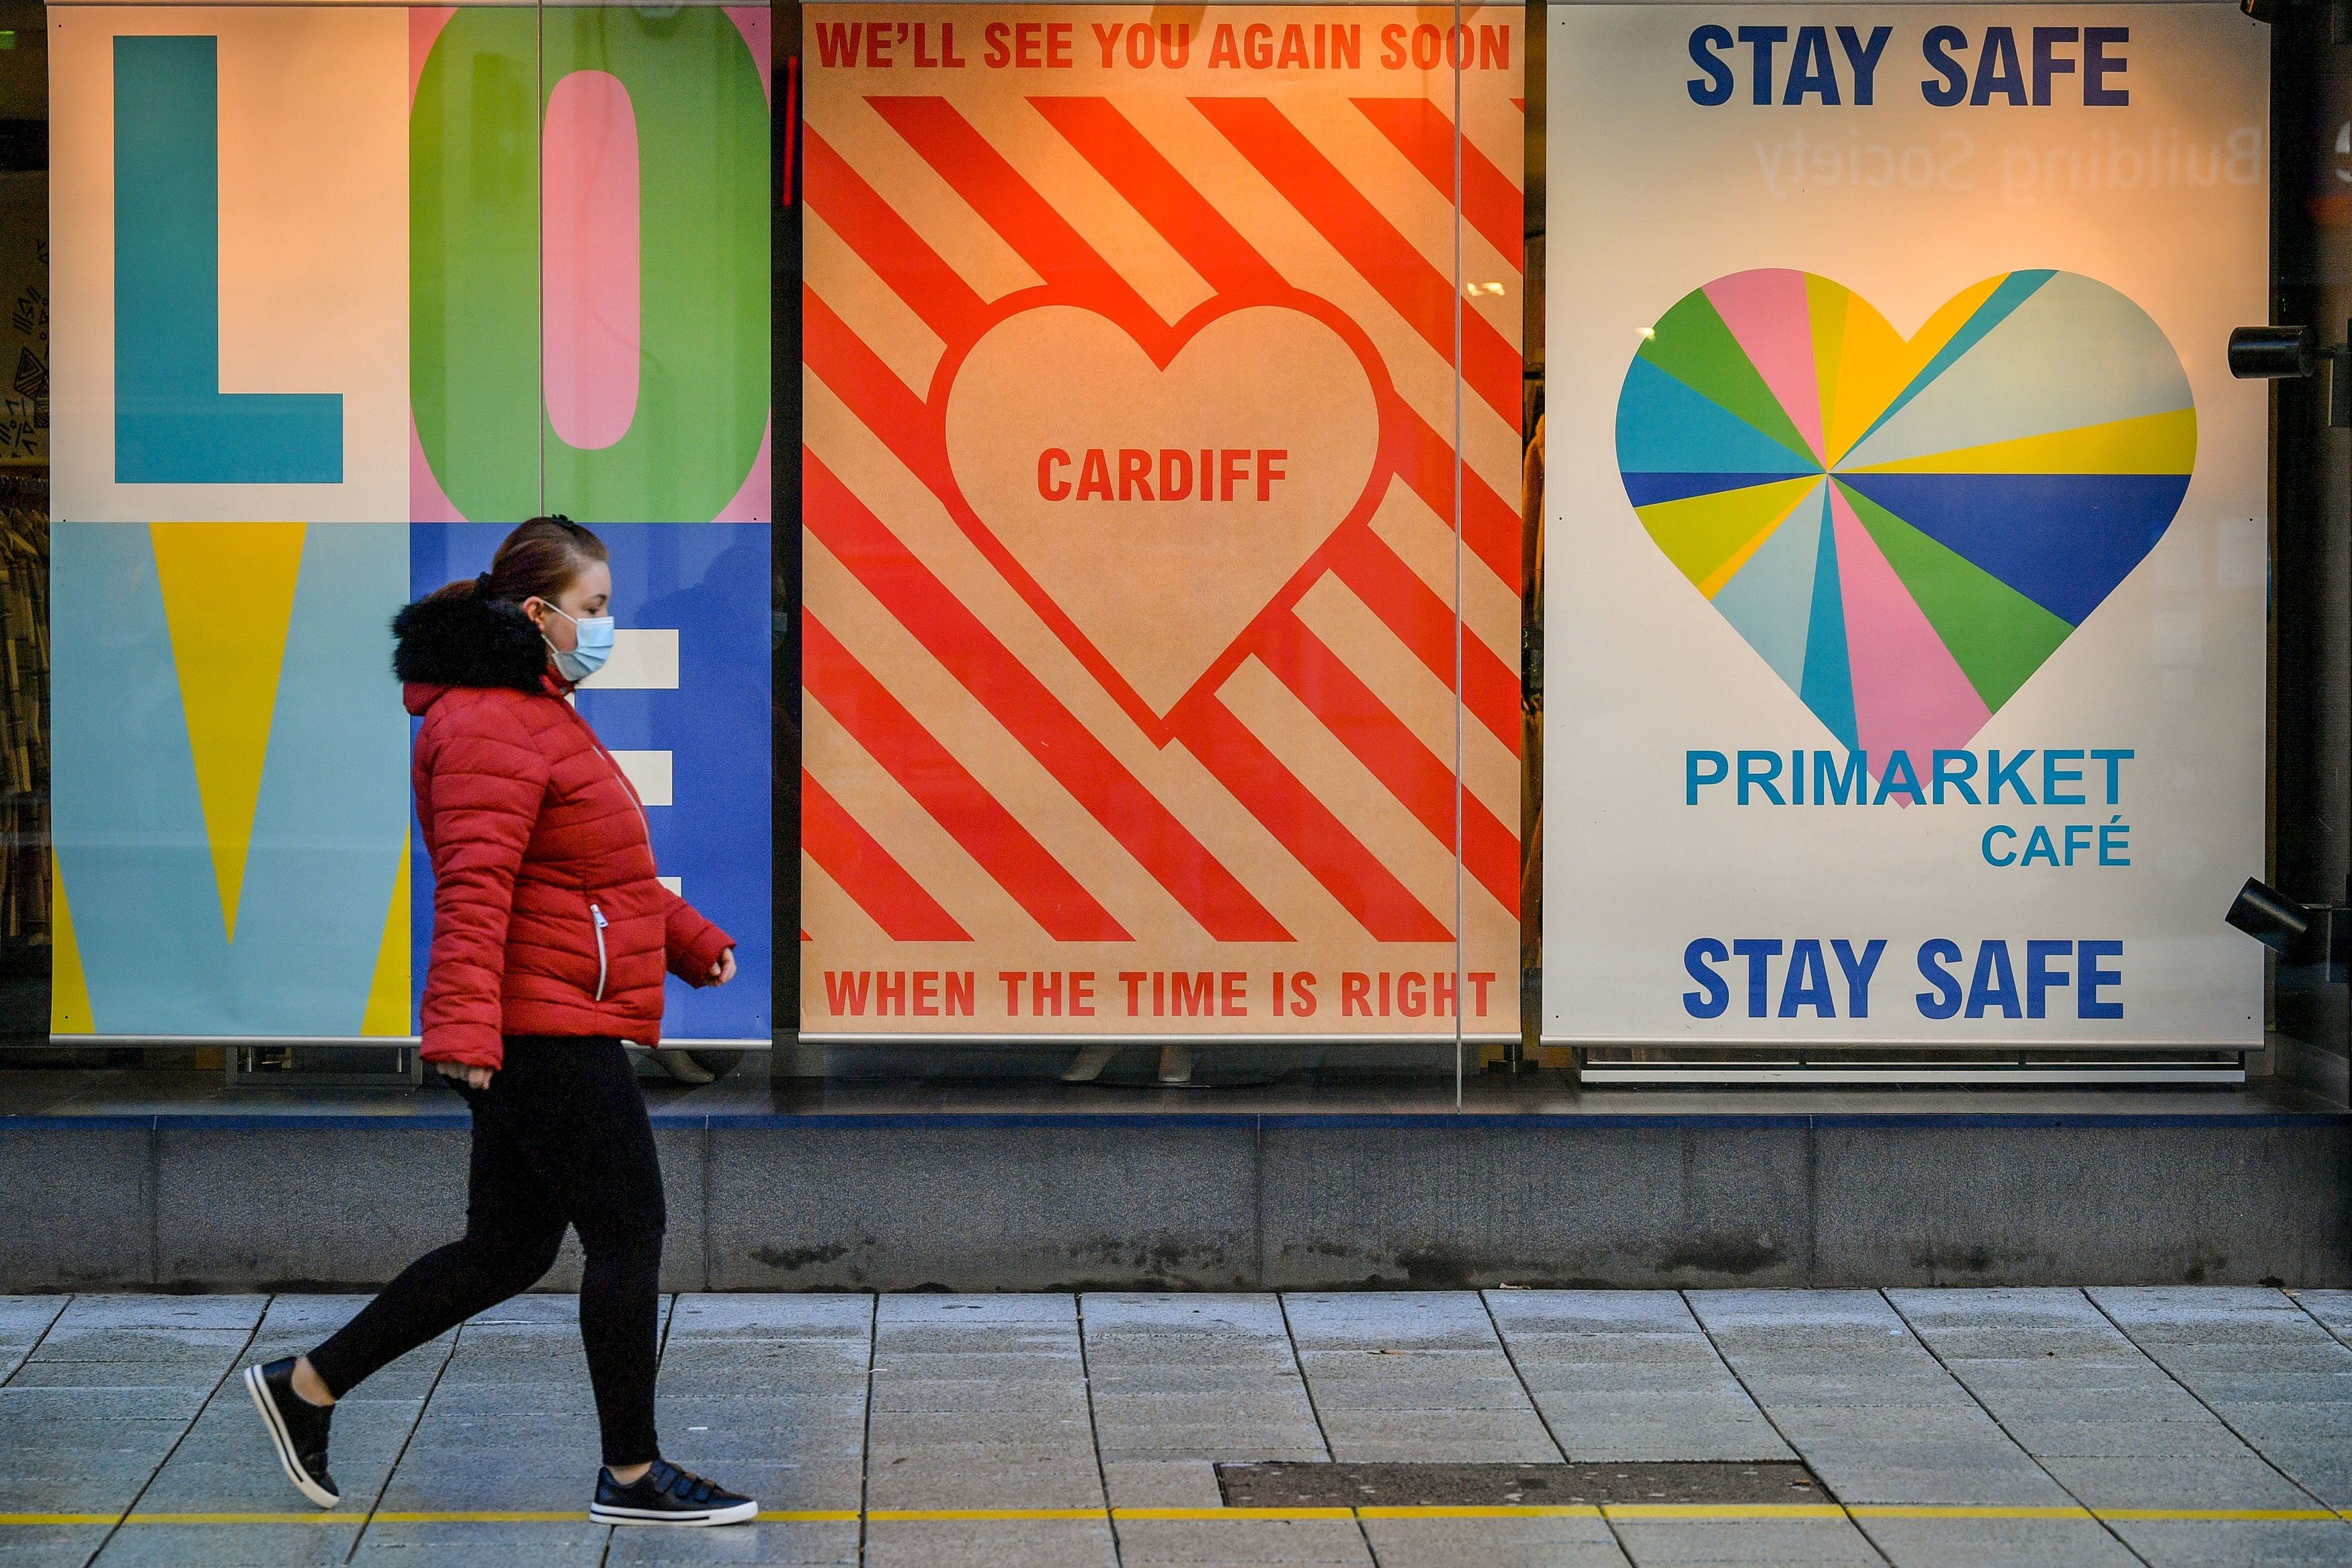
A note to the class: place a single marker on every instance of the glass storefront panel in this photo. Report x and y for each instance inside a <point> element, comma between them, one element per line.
<point>1138,585</point>
<point>229,212</point>
<point>1135,676</point>
<point>652,214</point>
<point>1910,523</point>
<point>1164,734</point>
<point>516,258</point>
<point>474,275</point>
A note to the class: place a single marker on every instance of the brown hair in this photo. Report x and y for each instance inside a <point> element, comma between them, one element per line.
<point>539,561</point>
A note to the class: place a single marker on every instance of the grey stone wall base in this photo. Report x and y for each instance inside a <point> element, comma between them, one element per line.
<point>1280,1204</point>
<point>2325,1072</point>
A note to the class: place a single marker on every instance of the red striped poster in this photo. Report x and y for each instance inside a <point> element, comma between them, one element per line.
<point>1131,560</point>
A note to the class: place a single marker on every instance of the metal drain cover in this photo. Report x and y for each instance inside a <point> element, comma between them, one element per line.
<point>1289,1484</point>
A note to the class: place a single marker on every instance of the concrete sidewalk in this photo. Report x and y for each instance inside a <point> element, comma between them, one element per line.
<point>1961,1427</point>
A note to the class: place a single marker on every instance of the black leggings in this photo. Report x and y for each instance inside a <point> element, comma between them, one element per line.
<point>559,1135</point>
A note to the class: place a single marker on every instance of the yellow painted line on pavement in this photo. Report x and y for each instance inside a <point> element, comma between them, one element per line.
<point>1624,1512</point>
<point>941,1514</point>
<point>1955,1510</point>
<point>2191,1514</point>
<point>1124,1514</point>
<point>1635,1512</point>
<point>314,1516</point>
<point>1491,1511</point>
<point>499,1516</point>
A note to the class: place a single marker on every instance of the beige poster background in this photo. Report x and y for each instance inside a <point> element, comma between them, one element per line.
<point>313,248</point>
<point>1130,557</point>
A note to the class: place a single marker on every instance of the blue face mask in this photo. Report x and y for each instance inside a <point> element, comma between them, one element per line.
<point>595,639</point>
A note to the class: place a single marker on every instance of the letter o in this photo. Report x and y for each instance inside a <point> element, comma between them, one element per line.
<point>703,292</point>
<point>1428,43</point>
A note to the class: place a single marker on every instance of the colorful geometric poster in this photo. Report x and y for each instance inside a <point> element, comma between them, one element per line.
<point>1132,422</point>
<point>230,795</point>
<point>682,705</point>
<point>1908,632</point>
<point>358,266</point>
<point>229,229</point>
<point>590,306</point>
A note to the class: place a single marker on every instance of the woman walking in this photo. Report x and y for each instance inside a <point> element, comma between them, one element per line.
<point>549,939</point>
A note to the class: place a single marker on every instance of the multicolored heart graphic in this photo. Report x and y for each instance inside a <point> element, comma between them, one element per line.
<point>1905,529</point>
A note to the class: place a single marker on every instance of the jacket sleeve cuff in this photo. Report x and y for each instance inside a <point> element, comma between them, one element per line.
<point>692,959</point>
<point>469,1044</point>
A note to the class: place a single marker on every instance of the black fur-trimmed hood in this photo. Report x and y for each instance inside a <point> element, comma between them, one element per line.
<point>463,641</point>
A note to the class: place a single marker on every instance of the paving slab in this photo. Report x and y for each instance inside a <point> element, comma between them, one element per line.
<point>2332,1308</point>
<point>767,1394</point>
<point>1997,1543</point>
<point>510,1426</point>
<point>955,1432</point>
<point>226,1465</point>
<point>1665,1544</point>
<point>136,1309</point>
<point>482,1543</point>
<point>2240,1481</point>
<point>108,1393</point>
<point>1814,1360</point>
<point>1419,1376</point>
<point>1196,1542</point>
<point>1603,1367</point>
<point>2236,1543</point>
<point>2262,1363</point>
<point>1164,1483</point>
<point>779,1541</point>
<point>52,1545</point>
<point>990,1543</point>
<point>23,1321</point>
<point>1197,1377</point>
<point>1494,1543</point>
<point>2109,1424</point>
<point>310,1545</point>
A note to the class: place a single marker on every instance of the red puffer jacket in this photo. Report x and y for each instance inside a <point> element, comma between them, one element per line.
<point>546,915</point>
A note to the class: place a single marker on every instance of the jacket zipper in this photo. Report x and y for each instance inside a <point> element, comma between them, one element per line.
<point>598,915</point>
<point>630,792</point>
<point>626,787</point>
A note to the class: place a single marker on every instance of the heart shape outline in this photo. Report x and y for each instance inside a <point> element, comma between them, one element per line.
<point>1905,529</point>
<point>1162,586</point>
<point>1160,340</point>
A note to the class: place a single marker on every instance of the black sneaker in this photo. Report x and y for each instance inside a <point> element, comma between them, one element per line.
<point>668,1495</point>
<point>297,1430</point>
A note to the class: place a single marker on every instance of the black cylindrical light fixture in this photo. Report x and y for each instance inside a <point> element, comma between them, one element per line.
<point>2268,916</point>
<point>2273,353</point>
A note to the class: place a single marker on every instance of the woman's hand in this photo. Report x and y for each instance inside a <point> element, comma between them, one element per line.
<point>724,970</point>
<point>473,1077</point>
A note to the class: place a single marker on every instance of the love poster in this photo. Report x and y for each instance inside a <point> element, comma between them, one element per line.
<point>1909,532</point>
<point>1131,547</point>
